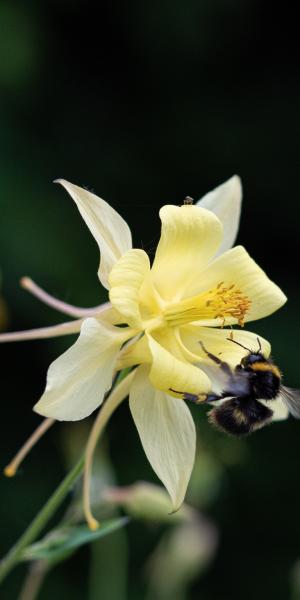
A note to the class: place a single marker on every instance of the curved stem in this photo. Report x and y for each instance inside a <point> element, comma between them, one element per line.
<point>11,469</point>
<point>38,523</point>
<point>35,578</point>
<point>115,398</point>
<point>31,533</point>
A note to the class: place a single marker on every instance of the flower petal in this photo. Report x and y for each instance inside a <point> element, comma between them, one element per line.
<point>125,280</point>
<point>168,372</point>
<point>236,267</point>
<point>225,201</point>
<point>167,433</point>
<point>280,410</point>
<point>79,378</point>
<point>190,237</point>
<point>217,342</point>
<point>110,231</point>
<point>134,353</point>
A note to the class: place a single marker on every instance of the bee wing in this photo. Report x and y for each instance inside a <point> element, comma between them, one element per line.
<point>219,379</point>
<point>291,399</point>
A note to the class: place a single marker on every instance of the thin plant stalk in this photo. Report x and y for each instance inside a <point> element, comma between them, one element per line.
<point>118,394</point>
<point>41,519</point>
<point>34,580</point>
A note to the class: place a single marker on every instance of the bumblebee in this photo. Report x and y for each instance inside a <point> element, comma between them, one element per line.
<point>248,391</point>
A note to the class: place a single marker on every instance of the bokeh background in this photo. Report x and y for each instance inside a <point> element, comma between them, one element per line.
<point>145,103</point>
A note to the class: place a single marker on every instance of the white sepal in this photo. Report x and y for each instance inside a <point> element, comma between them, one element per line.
<point>78,379</point>
<point>167,433</point>
<point>109,229</point>
<point>225,201</point>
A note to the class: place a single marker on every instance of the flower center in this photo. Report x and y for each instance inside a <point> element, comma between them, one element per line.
<point>222,301</point>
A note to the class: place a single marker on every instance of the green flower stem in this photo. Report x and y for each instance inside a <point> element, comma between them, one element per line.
<point>38,523</point>
<point>118,394</point>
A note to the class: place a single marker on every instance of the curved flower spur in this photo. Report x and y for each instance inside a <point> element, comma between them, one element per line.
<point>157,315</point>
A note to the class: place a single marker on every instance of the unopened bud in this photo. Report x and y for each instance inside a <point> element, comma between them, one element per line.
<point>145,501</point>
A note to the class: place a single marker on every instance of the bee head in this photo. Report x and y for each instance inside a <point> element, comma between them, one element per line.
<point>252,358</point>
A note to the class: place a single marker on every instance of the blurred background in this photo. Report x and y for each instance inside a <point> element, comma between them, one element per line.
<point>145,103</point>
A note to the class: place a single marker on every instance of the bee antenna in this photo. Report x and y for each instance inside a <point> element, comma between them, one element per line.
<point>230,339</point>
<point>259,344</point>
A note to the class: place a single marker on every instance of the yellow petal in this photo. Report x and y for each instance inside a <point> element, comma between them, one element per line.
<point>110,231</point>
<point>79,378</point>
<point>110,315</point>
<point>134,353</point>
<point>217,341</point>
<point>280,410</point>
<point>225,201</point>
<point>125,281</point>
<point>167,433</point>
<point>168,372</point>
<point>190,237</point>
<point>237,267</point>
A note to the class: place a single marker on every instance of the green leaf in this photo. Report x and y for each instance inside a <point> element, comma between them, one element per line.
<point>60,543</point>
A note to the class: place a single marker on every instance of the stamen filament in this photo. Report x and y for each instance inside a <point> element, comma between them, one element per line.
<point>11,469</point>
<point>73,311</point>
<point>220,302</point>
<point>42,332</point>
<point>118,394</point>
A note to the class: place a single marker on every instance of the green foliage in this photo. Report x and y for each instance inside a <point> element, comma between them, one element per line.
<point>61,543</point>
<point>149,103</point>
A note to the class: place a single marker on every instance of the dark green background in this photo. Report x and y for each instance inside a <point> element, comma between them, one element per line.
<point>146,102</point>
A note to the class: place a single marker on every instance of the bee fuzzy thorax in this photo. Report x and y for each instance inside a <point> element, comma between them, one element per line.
<point>266,366</point>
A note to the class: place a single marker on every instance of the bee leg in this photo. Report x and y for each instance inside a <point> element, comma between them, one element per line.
<point>201,398</point>
<point>259,345</point>
<point>214,397</point>
<point>223,365</point>
<point>196,398</point>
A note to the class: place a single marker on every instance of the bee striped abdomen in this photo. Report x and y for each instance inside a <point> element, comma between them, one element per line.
<point>240,416</point>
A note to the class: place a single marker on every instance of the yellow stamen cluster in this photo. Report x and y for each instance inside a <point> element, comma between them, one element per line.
<point>228,301</point>
<point>219,302</point>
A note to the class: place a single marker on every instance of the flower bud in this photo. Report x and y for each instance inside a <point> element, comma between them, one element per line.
<point>146,501</point>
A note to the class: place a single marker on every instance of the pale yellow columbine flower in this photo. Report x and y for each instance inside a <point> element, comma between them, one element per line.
<point>195,286</point>
<point>184,297</point>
